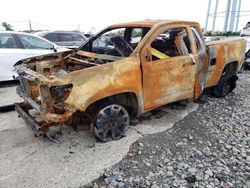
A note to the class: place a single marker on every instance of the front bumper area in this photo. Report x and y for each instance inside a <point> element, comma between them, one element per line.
<point>41,127</point>
<point>37,117</point>
<point>43,107</point>
<point>50,118</point>
<point>22,111</point>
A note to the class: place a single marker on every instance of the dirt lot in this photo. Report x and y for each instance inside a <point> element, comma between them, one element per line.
<point>26,161</point>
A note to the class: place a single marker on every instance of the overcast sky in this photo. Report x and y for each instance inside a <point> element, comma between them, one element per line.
<point>69,15</point>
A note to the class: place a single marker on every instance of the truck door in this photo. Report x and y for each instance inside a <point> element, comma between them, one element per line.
<point>169,67</point>
<point>201,57</point>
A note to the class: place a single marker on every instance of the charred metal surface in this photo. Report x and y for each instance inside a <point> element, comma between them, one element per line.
<point>30,121</point>
<point>70,87</point>
<point>225,52</point>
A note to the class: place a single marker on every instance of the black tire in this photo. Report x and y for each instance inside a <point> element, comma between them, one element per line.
<point>226,84</point>
<point>246,66</point>
<point>111,122</point>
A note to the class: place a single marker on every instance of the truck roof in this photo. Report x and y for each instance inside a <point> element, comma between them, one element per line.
<point>151,23</point>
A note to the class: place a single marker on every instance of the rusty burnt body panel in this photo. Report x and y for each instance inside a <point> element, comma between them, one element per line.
<point>139,65</point>
<point>222,53</point>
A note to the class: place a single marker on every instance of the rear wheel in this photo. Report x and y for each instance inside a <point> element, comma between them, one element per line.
<point>111,122</point>
<point>226,84</point>
<point>246,66</point>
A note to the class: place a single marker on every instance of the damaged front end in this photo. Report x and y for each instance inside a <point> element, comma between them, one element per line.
<point>55,87</point>
<point>62,87</point>
<point>44,105</point>
<point>45,86</point>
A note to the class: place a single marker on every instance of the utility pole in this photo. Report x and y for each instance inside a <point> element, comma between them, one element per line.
<point>30,25</point>
<point>215,15</point>
<point>208,12</point>
<point>233,15</point>
<point>227,15</point>
<point>238,16</point>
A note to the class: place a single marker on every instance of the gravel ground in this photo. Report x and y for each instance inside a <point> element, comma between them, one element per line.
<point>208,148</point>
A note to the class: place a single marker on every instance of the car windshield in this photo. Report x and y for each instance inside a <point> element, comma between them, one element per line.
<point>7,41</point>
<point>116,41</point>
<point>32,42</point>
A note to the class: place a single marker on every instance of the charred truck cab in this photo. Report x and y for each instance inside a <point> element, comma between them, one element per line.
<point>126,69</point>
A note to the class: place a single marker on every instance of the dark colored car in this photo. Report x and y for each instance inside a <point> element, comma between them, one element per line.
<point>247,60</point>
<point>67,39</point>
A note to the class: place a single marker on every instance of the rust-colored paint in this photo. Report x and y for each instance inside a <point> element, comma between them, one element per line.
<point>103,81</point>
<point>225,52</point>
<point>167,81</point>
<point>154,83</point>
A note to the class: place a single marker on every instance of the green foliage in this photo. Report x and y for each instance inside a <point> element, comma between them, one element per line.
<point>7,26</point>
<point>220,33</point>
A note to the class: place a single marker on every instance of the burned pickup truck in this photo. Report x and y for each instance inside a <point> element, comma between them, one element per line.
<point>123,71</point>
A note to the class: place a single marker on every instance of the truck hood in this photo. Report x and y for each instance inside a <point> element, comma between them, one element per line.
<point>60,54</point>
<point>100,72</point>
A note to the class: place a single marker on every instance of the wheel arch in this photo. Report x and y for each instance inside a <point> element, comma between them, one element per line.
<point>231,69</point>
<point>231,66</point>
<point>228,75</point>
<point>130,100</point>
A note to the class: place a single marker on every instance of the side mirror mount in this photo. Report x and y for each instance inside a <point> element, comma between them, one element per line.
<point>192,58</point>
<point>55,48</point>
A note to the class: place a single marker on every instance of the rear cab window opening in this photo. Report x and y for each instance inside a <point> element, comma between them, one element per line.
<point>200,46</point>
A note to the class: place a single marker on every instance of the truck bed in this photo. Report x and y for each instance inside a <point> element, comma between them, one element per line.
<point>222,53</point>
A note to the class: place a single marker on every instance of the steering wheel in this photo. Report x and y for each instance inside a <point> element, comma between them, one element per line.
<point>121,46</point>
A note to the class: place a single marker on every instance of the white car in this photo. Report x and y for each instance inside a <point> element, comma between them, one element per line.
<point>246,34</point>
<point>246,30</point>
<point>15,46</point>
<point>248,43</point>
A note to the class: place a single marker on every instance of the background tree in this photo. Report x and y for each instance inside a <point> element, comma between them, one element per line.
<point>7,26</point>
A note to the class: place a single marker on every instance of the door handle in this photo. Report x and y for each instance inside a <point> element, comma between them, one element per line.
<point>188,63</point>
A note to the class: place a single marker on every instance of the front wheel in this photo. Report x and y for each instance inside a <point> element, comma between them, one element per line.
<point>111,122</point>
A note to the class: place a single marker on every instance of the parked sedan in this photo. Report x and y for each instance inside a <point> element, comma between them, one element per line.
<point>64,38</point>
<point>15,46</point>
